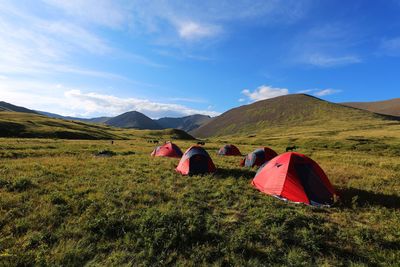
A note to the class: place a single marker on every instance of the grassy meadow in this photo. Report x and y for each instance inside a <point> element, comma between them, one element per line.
<point>61,205</point>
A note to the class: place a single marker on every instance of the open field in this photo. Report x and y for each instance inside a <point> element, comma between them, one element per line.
<point>61,205</point>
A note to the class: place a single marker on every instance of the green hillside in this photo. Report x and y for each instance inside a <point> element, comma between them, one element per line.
<point>18,124</point>
<point>297,111</point>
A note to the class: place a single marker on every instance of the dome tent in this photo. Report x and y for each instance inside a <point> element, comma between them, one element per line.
<point>195,160</point>
<point>167,150</point>
<point>258,157</point>
<point>229,150</point>
<point>295,177</point>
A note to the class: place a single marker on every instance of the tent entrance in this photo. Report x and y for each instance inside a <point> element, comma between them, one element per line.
<point>198,164</point>
<point>312,184</point>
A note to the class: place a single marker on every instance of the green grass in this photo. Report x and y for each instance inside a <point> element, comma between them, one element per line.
<point>61,205</point>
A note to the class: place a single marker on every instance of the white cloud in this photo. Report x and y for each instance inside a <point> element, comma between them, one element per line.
<point>64,100</point>
<point>264,92</point>
<point>91,103</point>
<point>326,92</point>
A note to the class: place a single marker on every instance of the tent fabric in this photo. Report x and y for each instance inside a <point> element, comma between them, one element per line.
<point>297,178</point>
<point>195,160</point>
<point>229,150</point>
<point>258,157</point>
<point>167,150</point>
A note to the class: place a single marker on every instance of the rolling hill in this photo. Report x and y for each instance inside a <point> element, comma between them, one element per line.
<point>29,125</point>
<point>290,111</point>
<point>18,124</point>
<point>187,123</point>
<point>133,119</point>
<point>4,106</point>
<point>387,107</point>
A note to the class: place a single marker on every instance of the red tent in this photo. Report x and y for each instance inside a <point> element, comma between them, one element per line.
<point>167,150</point>
<point>295,177</point>
<point>195,161</point>
<point>229,150</point>
<point>258,157</point>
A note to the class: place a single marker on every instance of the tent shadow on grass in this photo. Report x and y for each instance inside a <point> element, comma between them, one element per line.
<point>354,197</point>
<point>235,173</point>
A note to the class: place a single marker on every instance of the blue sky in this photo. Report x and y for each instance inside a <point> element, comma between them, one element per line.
<point>174,58</point>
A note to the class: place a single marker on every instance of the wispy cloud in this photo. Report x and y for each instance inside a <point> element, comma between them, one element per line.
<point>188,100</point>
<point>189,20</point>
<point>390,47</point>
<point>326,92</point>
<point>319,92</point>
<point>325,46</point>
<point>32,43</point>
<point>102,12</point>
<point>305,91</point>
<point>322,60</point>
<point>190,30</point>
<point>264,92</point>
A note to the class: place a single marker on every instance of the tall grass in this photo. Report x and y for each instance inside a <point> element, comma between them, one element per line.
<point>61,205</point>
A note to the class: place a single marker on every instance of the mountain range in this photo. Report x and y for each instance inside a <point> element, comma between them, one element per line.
<point>137,120</point>
<point>290,111</point>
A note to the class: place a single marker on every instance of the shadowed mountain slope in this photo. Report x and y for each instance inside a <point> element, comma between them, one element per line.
<point>387,107</point>
<point>187,123</point>
<point>4,106</point>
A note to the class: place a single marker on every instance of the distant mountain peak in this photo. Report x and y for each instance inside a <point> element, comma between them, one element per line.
<point>133,119</point>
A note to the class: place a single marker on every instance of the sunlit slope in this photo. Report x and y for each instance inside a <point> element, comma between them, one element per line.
<point>288,113</point>
<point>18,124</point>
